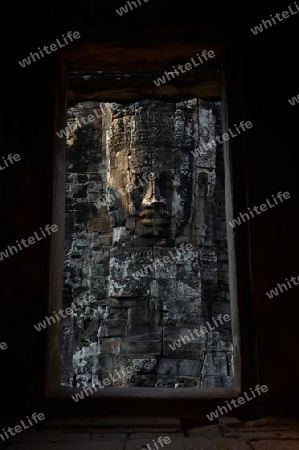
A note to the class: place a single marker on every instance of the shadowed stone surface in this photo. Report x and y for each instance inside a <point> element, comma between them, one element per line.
<point>191,444</point>
<point>135,433</point>
<point>275,445</point>
<point>70,446</point>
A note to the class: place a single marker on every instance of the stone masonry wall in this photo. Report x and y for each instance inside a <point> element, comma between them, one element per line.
<point>126,315</point>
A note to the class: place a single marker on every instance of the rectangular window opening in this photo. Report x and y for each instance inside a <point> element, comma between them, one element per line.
<point>146,283</point>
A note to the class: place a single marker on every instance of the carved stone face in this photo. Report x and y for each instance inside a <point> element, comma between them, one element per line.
<point>152,207</point>
<point>154,179</point>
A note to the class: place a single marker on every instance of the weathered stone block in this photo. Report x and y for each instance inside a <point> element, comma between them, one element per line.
<point>185,335</point>
<point>192,351</point>
<point>146,365</point>
<point>144,334</point>
<point>168,366</point>
<point>217,381</point>
<point>190,368</point>
<point>215,363</point>
<point>108,331</point>
<point>217,341</point>
<point>98,225</point>
<point>112,348</point>
<point>138,317</point>
<point>141,348</point>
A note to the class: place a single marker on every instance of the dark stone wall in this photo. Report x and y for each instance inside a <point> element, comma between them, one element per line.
<point>261,79</point>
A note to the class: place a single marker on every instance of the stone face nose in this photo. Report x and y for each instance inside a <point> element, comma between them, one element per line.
<point>153,199</point>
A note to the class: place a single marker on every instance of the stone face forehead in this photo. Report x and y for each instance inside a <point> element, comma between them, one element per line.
<point>146,157</point>
<point>147,123</point>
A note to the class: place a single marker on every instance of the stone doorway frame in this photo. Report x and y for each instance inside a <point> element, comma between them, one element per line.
<point>156,52</point>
